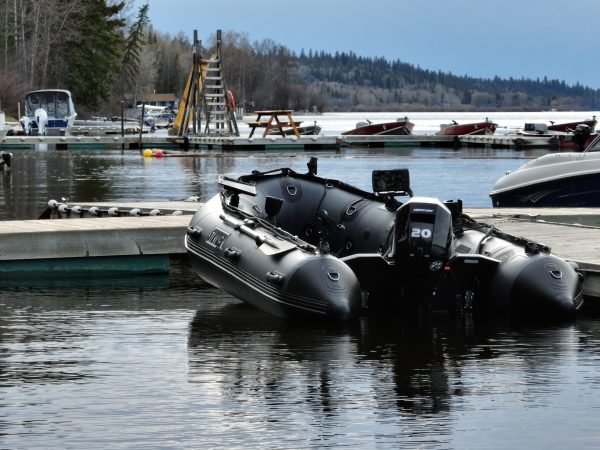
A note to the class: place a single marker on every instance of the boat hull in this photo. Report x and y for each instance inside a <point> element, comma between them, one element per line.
<point>528,284</point>
<point>572,126</point>
<point>290,283</point>
<point>397,128</point>
<point>309,130</point>
<point>569,179</point>
<point>350,248</point>
<point>468,128</point>
<point>576,191</point>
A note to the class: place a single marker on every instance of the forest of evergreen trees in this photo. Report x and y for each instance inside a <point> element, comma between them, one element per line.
<point>106,51</point>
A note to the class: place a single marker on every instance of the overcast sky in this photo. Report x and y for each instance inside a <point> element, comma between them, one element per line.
<point>482,38</point>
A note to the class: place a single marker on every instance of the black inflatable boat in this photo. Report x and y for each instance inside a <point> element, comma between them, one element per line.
<point>299,245</point>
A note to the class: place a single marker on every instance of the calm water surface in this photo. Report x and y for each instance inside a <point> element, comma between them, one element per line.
<point>114,175</point>
<point>170,362</point>
<point>174,363</point>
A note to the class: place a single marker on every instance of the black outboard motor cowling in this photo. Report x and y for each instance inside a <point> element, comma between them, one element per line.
<point>423,235</point>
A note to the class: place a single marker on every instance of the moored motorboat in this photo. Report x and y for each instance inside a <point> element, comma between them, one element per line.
<point>300,245</point>
<point>562,136</point>
<point>307,130</point>
<point>48,112</point>
<point>572,126</point>
<point>368,128</point>
<point>462,129</point>
<point>566,179</point>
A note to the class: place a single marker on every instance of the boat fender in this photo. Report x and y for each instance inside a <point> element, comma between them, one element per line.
<point>77,210</point>
<point>276,278</point>
<point>114,212</point>
<point>94,211</point>
<point>232,253</point>
<point>62,208</point>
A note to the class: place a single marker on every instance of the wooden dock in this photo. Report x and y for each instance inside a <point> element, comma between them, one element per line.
<point>95,244</point>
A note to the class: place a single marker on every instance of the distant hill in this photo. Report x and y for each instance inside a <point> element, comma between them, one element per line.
<point>348,82</point>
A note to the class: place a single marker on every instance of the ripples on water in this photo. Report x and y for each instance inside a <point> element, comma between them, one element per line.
<point>178,364</point>
<point>170,362</point>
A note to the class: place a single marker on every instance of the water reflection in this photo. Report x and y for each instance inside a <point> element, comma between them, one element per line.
<point>389,371</point>
<point>106,175</point>
<point>188,366</point>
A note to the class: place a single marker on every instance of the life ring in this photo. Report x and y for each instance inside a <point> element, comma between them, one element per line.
<point>230,99</point>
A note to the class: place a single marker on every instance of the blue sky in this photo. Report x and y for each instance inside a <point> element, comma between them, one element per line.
<point>482,38</point>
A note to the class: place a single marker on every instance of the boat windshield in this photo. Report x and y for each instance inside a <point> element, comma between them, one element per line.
<point>56,104</point>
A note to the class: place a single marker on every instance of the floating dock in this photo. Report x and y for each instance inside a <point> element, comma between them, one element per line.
<point>272,142</point>
<point>143,244</point>
<point>82,247</point>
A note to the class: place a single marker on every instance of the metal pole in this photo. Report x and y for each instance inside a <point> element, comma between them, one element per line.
<point>141,127</point>
<point>122,126</point>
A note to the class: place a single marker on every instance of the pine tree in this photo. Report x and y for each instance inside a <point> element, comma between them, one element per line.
<point>133,45</point>
<point>94,61</point>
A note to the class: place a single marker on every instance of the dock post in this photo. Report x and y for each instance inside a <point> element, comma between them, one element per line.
<point>141,128</point>
<point>122,126</point>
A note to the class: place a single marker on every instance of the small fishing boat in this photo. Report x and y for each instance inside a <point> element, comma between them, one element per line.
<point>298,245</point>
<point>560,137</point>
<point>566,179</point>
<point>572,126</point>
<point>461,129</point>
<point>307,130</point>
<point>48,112</point>
<point>368,128</point>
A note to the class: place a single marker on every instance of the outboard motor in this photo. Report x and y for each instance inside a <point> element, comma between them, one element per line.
<point>423,237</point>
<point>41,117</point>
<point>581,135</point>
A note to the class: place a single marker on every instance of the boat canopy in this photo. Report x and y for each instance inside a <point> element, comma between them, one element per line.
<point>58,104</point>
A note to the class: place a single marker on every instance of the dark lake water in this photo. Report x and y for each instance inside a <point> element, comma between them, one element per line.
<point>169,362</point>
<point>100,175</point>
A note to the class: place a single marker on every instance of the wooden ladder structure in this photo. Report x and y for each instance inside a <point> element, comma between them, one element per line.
<point>207,107</point>
<point>218,109</point>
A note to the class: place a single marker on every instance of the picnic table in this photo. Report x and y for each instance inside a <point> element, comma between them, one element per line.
<point>279,120</point>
